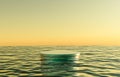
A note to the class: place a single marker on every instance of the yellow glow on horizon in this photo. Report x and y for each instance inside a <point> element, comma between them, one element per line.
<point>60,22</point>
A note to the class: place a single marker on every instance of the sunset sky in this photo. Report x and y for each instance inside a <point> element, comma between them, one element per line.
<point>59,22</point>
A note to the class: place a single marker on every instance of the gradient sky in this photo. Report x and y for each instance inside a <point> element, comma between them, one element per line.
<point>59,22</point>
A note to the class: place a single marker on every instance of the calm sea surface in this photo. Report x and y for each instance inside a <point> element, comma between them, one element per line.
<point>25,61</point>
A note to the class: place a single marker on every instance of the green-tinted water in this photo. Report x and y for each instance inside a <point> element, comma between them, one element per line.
<point>95,61</point>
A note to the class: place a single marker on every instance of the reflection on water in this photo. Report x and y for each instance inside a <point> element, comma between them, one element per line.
<point>59,64</point>
<point>95,61</point>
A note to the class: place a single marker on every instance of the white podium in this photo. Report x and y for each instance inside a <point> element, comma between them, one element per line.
<point>57,63</point>
<point>60,55</point>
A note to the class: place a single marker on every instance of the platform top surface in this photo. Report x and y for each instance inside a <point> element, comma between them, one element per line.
<point>59,52</point>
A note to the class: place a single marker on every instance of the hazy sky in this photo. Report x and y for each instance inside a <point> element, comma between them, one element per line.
<point>59,22</point>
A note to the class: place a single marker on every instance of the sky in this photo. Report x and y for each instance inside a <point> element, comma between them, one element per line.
<point>59,22</point>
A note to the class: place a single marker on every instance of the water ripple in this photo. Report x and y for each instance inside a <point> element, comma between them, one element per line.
<point>95,61</point>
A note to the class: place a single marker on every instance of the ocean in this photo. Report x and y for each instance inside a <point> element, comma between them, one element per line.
<point>26,61</point>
